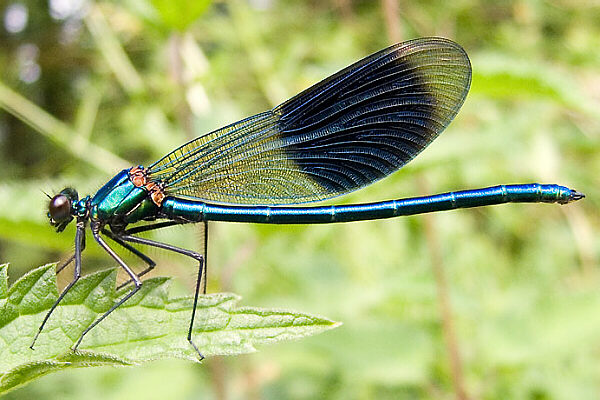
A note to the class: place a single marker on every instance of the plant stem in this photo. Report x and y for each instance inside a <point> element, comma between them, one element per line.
<point>58,132</point>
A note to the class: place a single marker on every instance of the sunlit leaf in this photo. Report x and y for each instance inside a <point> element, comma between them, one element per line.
<point>180,14</point>
<point>150,326</point>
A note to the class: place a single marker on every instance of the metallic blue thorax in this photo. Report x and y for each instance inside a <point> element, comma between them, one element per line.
<point>120,202</point>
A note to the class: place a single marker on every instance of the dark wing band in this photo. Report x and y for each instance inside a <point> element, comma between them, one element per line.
<point>347,131</point>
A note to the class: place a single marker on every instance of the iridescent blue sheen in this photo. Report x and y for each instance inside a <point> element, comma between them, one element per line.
<point>346,132</point>
<point>195,211</point>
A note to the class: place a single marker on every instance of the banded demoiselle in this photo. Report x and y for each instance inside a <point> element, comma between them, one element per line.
<point>345,132</point>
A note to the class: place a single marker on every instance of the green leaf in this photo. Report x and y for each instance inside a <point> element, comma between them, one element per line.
<point>179,14</point>
<point>150,326</point>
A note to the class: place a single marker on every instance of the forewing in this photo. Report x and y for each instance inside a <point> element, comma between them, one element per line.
<point>343,133</point>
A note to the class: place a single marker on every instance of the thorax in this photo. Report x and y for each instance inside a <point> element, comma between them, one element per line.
<point>120,201</point>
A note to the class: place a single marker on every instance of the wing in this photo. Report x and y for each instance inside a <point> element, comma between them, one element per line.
<point>345,132</point>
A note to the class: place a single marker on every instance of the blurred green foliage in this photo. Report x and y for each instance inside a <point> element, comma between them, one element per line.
<point>86,87</point>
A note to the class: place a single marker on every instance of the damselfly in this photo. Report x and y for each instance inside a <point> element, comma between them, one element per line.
<point>346,132</point>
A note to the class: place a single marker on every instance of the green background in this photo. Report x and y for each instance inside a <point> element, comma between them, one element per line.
<point>493,303</point>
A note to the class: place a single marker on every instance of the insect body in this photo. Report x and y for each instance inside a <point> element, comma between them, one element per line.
<point>346,132</point>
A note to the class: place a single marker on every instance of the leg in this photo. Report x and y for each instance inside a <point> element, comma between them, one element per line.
<point>64,264</point>
<point>165,224</point>
<point>79,240</point>
<point>201,273</point>
<point>145,258</point>
<point>152,227</point>
<point>134,277</point>
<point>70,260</point>
<point>205,223</point>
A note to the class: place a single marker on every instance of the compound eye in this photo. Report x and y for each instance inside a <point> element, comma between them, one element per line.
<point>60,208</point>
